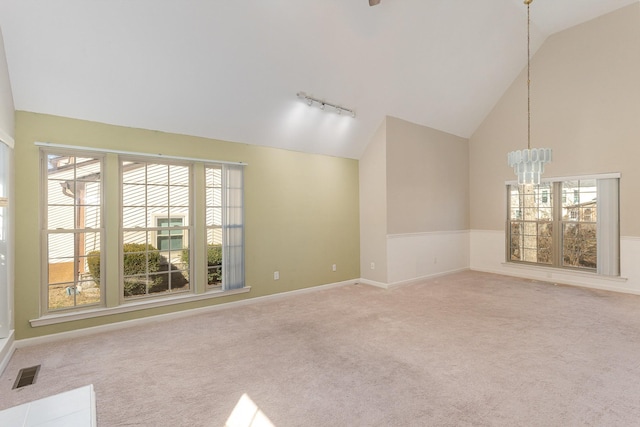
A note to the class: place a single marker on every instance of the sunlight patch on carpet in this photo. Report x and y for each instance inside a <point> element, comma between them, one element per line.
<point>247,414</point>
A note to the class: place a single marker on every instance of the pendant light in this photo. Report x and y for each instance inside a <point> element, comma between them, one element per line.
<point>529,164</point>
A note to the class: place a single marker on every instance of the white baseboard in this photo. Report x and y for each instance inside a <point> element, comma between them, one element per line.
<point>409,281</point>
<point>373,283</point>
<point>7,347</point>
<point>423,278</point>
<point>171,316</point>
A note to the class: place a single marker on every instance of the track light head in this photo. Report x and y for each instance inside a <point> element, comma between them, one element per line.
<point>323,104</point>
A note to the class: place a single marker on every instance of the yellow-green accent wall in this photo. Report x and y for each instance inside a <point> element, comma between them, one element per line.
<point>301,212</point>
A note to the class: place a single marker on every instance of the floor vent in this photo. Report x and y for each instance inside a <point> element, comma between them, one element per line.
<point>26,376</point>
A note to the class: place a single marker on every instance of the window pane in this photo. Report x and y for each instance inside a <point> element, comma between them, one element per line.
<point>92,194</point>
<point>544,243</point>
<point>214,264</point>
<point>179,196</point>
<point>157,174</point>
<point>214,176</point>
<point>214,197</point>
<point>181,212</point>
<point>134,217</point>
<point>133,173</point>
<point>61,217</point>
<point>579,245</point>
<point>136,237</point>
<point>214,216</point>
<point>179,175</point>
<point>133,195</point>
<point>157,195</point>
<point>515,244</point>
<point>214,236</point>
<point>88,169</point>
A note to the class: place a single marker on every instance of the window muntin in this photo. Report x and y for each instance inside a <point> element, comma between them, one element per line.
<point>73,221</point>
<point>155,228</point>
<point>559,229</point>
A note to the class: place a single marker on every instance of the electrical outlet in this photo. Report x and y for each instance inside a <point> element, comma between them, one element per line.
<point>373,265</point>
<point>334,267</point>
<point>276,275</point>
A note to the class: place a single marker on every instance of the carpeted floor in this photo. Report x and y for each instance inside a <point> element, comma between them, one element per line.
<point>468,349</point>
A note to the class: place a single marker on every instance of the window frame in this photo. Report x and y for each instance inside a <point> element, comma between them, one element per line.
<point>46,232</point>
<point>152,229</point>
<point>559,198</point>
<point>111,251</point>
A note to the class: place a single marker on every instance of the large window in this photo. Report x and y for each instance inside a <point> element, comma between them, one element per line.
<point>73,235</point>
<point>150,222</point>
<point>571,224</point>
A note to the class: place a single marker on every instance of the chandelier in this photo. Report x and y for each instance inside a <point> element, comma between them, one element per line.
<point>529,164</point>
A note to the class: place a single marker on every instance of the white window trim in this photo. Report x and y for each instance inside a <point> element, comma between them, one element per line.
<point>572,178</point>
<point>53,319</point>
<point>134,153</point>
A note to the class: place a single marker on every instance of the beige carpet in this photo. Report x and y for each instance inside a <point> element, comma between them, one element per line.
<point>466,349</point>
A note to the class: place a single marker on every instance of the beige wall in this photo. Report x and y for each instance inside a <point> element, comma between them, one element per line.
<point>414,203</point>
<point>427,179</point>
<point>585,106</point>
<point>6,97</point>
<point>302,211</point>
<point>373,208</point>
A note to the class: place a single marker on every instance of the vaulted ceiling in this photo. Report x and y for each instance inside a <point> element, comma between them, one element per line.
<point>230,69</point>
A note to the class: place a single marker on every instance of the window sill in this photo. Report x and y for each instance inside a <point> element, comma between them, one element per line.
<point>553,273</point>
<point>53,319</point>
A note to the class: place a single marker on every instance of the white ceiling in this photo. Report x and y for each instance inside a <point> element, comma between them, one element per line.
<point>230,69</point>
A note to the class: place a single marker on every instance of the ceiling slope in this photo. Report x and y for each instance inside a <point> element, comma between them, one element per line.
<point>231,69</point>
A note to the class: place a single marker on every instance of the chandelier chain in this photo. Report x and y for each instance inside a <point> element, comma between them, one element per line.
<point>528,75</point>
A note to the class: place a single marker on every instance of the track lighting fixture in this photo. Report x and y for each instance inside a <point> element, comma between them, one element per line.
<point>322,104</point>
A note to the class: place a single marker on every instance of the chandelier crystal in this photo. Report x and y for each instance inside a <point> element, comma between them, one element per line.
<point>528,164</point>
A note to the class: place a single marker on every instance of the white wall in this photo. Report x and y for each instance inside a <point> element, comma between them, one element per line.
<point>416,256</point>
<point>372,169</point>
<point>7,111</point>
